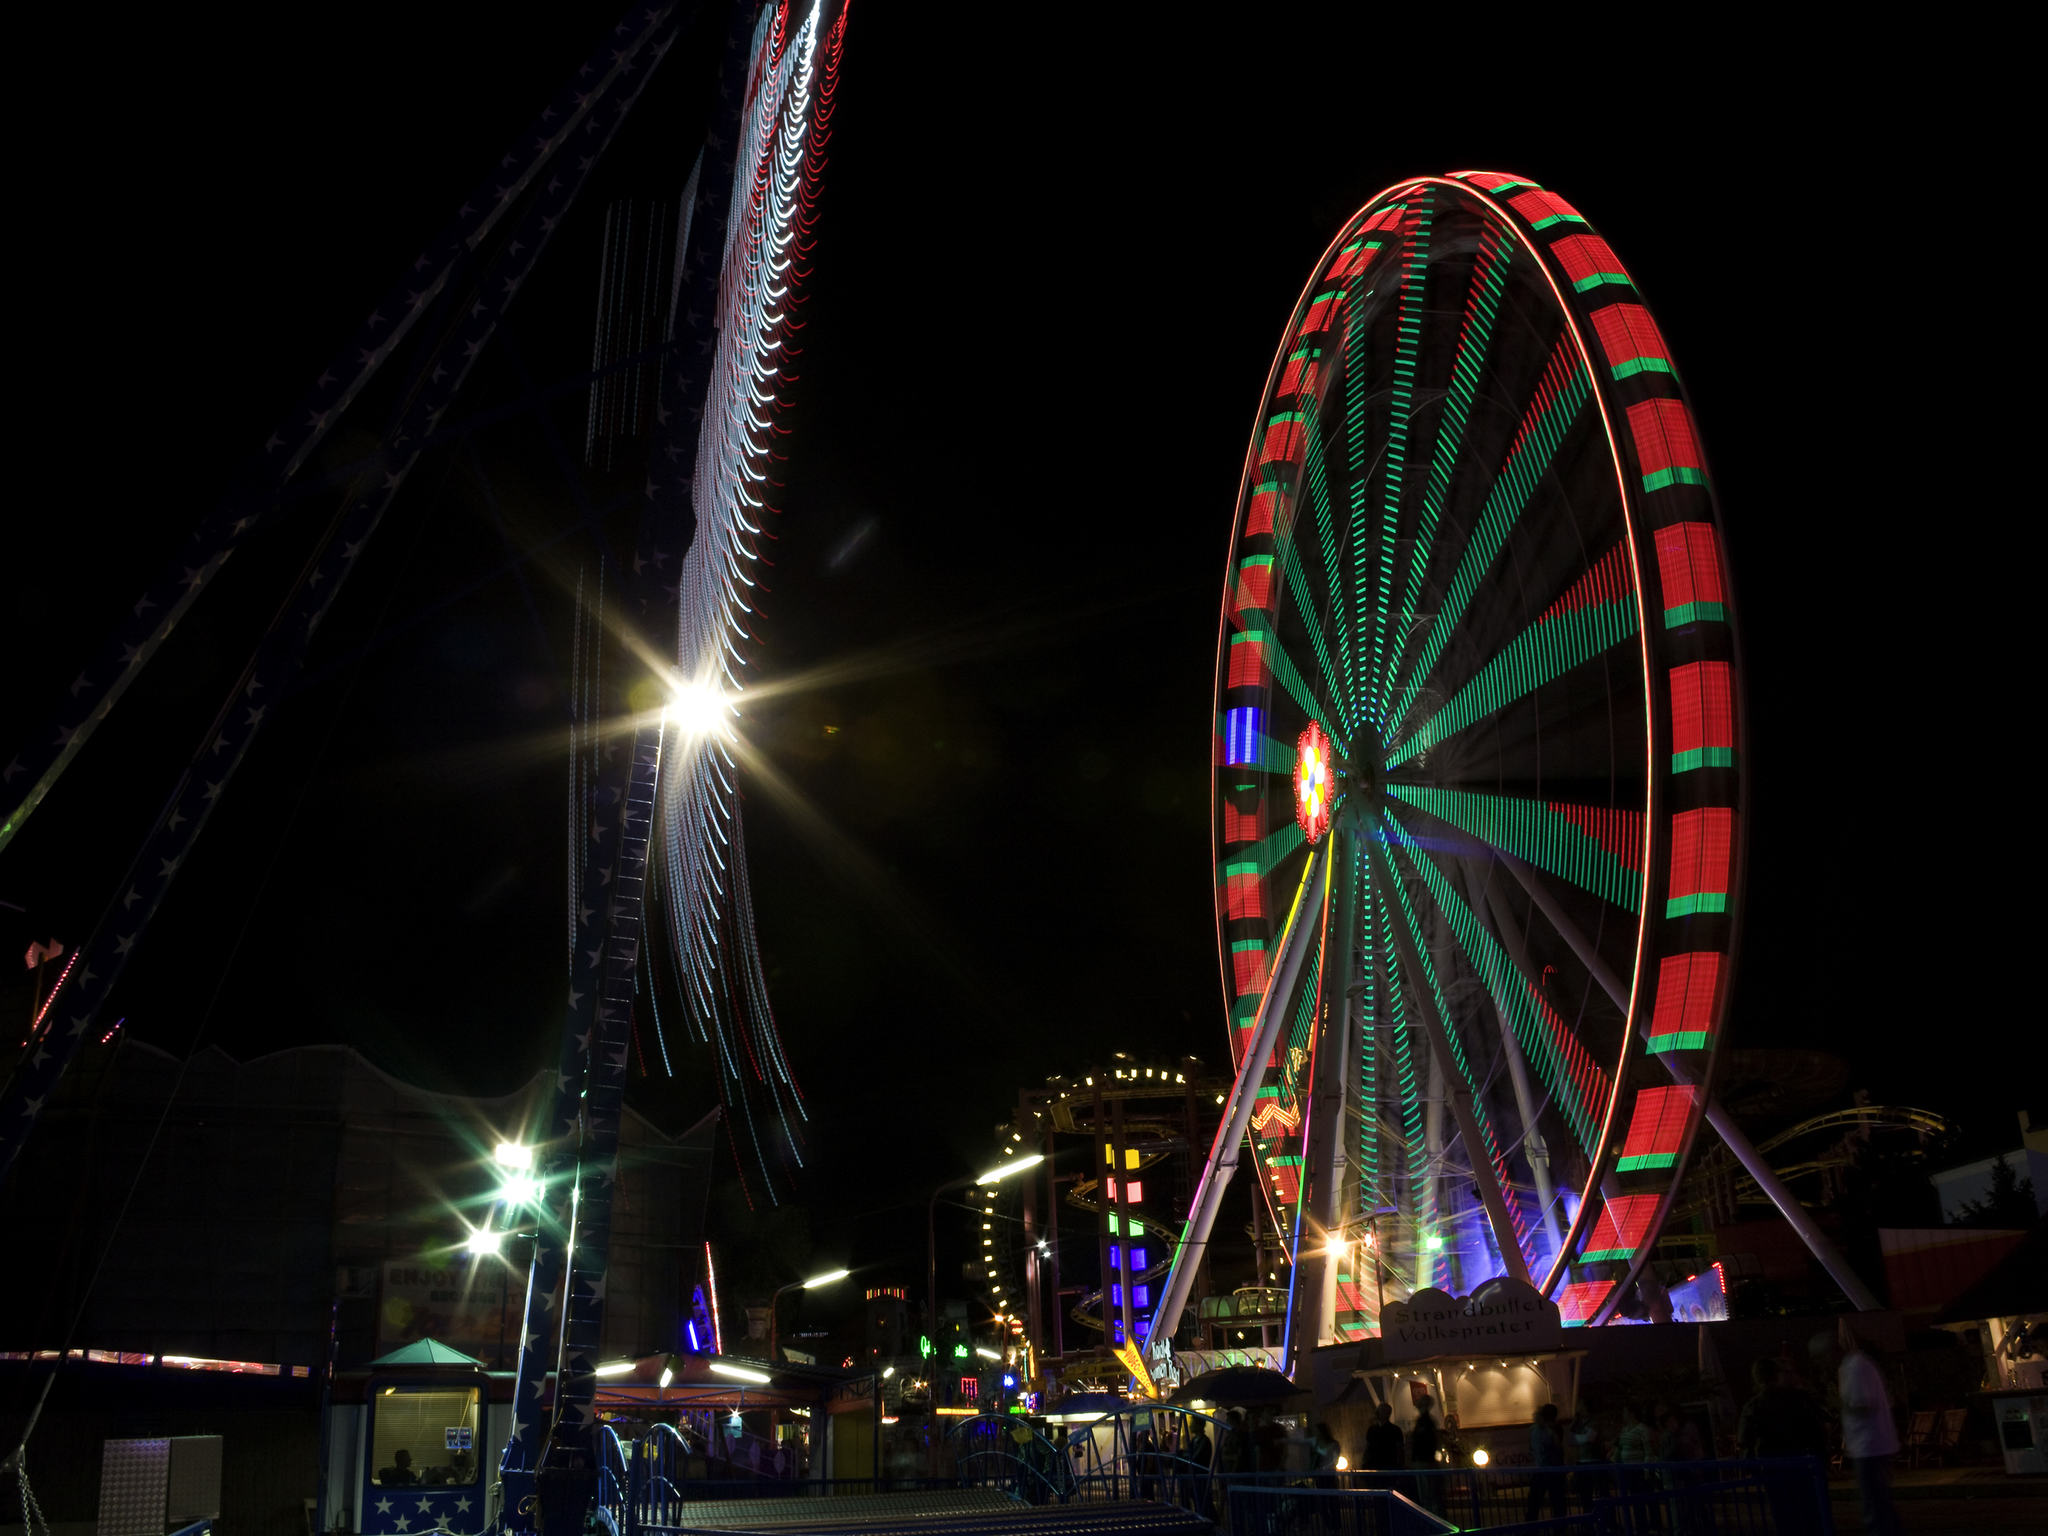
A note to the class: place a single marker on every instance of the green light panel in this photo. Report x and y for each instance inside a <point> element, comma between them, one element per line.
<point>1547,649</point>
<point>1533,833</point>
<point>1482,304</point>
<point>1560,397</point>
<point>1509,990</point>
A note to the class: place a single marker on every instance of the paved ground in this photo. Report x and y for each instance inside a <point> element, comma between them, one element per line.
<point>1955,1501</point>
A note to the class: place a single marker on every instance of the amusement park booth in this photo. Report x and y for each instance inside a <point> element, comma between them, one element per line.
<point>415,1438</point>
<point>1492,1359</point>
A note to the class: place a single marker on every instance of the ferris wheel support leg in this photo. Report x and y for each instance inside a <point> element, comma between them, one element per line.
<point>1745,1152</point>
<point>1534,1147</point>
<point>1313,1298</point>
<point>1459,1096</point>
<point>1302,926</point>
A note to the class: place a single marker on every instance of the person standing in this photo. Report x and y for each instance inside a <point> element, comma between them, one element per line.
<point>1199,1455</point>
<point>1589,1450</point>
<point>1633,1447</point>
<point>1385,1448</point>
<point>1424,1444</point>
<point>1546,1474</point>
<point>1780,1422</point>
<point>1870,1439</point>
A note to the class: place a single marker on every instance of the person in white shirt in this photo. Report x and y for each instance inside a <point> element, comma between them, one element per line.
<point>1870,1439</point>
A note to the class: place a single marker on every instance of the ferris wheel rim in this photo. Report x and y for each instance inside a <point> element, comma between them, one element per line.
<point>1652,650</point>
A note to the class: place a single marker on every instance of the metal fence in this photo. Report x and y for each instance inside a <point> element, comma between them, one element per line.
<point>1679,1498</point>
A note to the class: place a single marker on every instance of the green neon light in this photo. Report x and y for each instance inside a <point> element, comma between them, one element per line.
<point>1594,280</point>
<point>1408,341</point>
<point>1533,833</point>
<point>1636,365</point>
<point>1466,1079</point>
<point>1368,1055</point>
<point>1414,1143</point>
<point>1336,679</point>
<point>1682,1040</point>
<point>1504,505</point>
<point>1482,303</point>
<point>1558,218</point>
<point>1595,1256</point>
<point>1695,613</point>
<point>1508,989</point>
<point>1682,475</point>
<point>1705,901</point>
<point>1648,1161</point>
<point>1702,757</point>
<point>1545,650</point>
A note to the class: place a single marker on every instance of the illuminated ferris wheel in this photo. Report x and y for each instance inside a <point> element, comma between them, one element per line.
<point>1479,774</point>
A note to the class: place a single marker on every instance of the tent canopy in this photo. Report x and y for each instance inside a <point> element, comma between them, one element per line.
<point>425,1352</point>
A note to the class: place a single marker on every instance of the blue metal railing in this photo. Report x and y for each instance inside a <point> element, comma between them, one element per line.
<point>1724,1498</point>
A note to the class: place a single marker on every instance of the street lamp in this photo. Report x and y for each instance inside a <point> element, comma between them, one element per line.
<point>774,1317</point>
<point>931,1240</point>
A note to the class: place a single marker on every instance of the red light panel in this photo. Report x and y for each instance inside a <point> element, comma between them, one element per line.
<point>1689,565</point>
<point>1686,989</point>
<point>1656,1130</point>
<point>1240,826</point>
<point>1284,437</point>
<point>1589,261</point>
<point>1578,1301</point>
<point>1620,1228</point>
<point>1665,444</point>
<point>1631,340</point>
<point>1702,716</point>
<point>1702,846</point>
<point>1248,660</point>
<point>1255,583</point>
<point>1324,311</point>
<point>1543,209</point>
<point>1259,515</point>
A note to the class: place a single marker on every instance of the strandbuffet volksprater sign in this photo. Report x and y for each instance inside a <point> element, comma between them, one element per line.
<point>1504,1316</point>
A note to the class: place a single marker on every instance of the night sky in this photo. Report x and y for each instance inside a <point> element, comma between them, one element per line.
<point>1053,262</point>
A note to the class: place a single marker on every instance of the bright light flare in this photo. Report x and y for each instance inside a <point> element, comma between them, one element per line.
<point>827,1278</point>
<point>513,1154</point>
<point>616,1368</point>
<point>1009,1168</point>
<point>740,1372</point>
<point>519,1190</point>
<point>697,709</point>
<point>1480,1458</point>
<point>483,1243</point>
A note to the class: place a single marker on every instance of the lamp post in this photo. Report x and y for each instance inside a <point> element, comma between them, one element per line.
<point>774,1313</point>
<point>931,1251</point>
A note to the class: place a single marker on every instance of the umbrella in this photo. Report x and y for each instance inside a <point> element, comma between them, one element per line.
<point>1240,1386</point>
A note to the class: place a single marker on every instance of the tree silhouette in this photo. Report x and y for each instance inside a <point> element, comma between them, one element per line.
<point>2010,1202</point>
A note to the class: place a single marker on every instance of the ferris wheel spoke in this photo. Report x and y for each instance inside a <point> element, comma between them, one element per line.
<point>1561,394</point>
<point>1596,848</point>
<point>1475,331</point>
<point>1373,589</point>
<point>1566,1068</point>
<point>1595,614</point>
<point>1342,678</point>
<point>1467,1105</point>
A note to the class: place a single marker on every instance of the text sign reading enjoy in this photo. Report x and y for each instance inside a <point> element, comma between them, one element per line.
<point>1508,1316</point>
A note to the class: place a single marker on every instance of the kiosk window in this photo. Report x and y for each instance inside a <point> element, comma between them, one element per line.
<point>424,1437</point>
